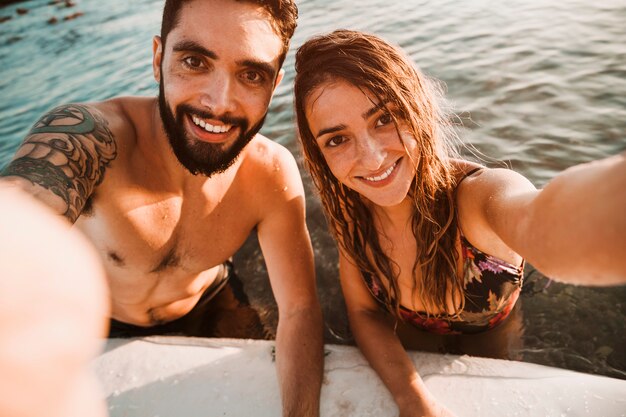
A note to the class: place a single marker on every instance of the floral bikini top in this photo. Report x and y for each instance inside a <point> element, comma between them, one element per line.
<point>491,286</point>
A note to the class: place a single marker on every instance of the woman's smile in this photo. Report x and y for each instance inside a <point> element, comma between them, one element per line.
<point>381,179</point>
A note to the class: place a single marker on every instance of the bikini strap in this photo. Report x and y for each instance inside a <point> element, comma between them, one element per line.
<point>458,225</point>
<point>467,174</point>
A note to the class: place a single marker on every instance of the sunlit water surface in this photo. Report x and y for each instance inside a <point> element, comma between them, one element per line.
<point>538,85</point>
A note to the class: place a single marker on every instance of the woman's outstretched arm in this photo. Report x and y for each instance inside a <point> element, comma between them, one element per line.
<point>573,230</point>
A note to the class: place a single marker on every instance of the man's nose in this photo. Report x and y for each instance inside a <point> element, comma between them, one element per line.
<point>218,94</point>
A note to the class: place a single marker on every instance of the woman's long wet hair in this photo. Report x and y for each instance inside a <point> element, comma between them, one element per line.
<point>383,71</point>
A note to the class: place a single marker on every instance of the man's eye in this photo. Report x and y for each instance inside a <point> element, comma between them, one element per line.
<point>253,77</point>
<point>193,62</point>
<point>384,119</point>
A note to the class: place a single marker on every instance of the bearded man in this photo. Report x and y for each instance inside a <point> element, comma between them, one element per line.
<point>168,188</point>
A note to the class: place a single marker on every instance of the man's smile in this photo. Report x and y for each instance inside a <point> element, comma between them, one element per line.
<point>209,127</point>
<point>211,130</point>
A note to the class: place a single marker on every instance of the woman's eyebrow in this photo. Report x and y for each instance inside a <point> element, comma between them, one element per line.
<point>330,130</point>
<point>366,115</point>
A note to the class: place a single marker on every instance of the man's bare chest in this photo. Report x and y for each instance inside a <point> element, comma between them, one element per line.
<point>152,233</point>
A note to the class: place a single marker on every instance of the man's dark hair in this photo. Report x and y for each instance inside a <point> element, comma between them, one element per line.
<point>283,15</point>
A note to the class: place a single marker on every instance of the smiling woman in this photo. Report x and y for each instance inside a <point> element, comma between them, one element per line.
<point>527,93</point>
<point>424,238</point>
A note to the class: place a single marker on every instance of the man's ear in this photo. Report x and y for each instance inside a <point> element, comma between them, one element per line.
<point>279,78</point>
<point>157,56</point>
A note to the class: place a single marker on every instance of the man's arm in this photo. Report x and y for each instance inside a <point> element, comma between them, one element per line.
<point>288,254</point>
<point>63,158</point>
<point>54,308</point>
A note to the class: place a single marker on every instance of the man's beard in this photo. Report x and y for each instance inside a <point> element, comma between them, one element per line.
<point>202,157</point>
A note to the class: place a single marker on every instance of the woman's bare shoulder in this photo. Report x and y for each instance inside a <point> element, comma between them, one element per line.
<point>462,167</point>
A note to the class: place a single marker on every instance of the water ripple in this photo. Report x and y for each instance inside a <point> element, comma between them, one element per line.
<point>539,85</point>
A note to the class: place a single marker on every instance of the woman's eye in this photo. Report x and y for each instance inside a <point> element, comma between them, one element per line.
<point>384,119</point>
<point>335,141</point>
<point>193,62</point>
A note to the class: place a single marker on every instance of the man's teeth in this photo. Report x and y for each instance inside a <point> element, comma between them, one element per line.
<point>383,175</point>
<point>209,127</point>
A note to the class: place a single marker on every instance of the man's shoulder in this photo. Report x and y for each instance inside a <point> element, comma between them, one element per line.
<point>126,117</point>
<point>265,156</point>
<point>126,111</point>
<point>270,169</point>
<point>262,148</point>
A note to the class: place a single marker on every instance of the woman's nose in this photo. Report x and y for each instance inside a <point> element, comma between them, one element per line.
<point>371,153</point>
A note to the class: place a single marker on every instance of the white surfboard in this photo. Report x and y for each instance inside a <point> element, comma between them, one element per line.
<point>189,377</point>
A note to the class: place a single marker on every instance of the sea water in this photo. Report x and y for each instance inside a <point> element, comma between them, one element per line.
<point>537,85</point>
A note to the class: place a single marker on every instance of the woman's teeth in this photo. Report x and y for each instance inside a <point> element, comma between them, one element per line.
<point>383,175</point>
<point>209,127</point>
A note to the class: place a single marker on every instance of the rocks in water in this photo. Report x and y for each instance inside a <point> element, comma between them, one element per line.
<point>52,20</point>
<point>7,2</point>
<point>67,3</point>
<point>73,16</point>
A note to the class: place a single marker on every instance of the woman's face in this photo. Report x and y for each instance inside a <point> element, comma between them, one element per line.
<point>360,143</point>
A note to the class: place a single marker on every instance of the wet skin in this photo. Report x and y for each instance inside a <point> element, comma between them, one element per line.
<point>360,143</point>
<point>367,153</point>
<point>162,231</point>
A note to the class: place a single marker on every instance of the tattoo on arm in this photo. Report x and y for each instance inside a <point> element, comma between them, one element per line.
<point>66,152</point>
